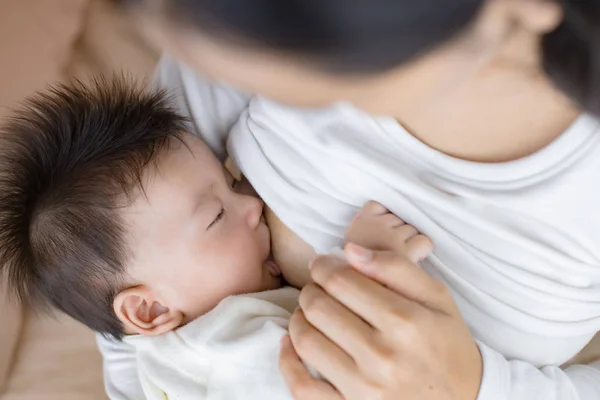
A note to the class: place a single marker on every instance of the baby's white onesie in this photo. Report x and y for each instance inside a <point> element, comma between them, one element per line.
<point>230,353</point>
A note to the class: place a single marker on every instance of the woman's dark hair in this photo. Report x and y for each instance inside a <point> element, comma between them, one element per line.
<point>369,36</point>
<point>572,53</point>
<point>356,36</point>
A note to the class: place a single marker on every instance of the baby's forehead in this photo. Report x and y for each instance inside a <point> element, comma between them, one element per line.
<point>184,158</point>
<point>188,146</point>
<point>180,174</point>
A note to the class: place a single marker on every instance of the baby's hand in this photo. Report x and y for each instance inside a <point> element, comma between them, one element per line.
<point>374,227</point>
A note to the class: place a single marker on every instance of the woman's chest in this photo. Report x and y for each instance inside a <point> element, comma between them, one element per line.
<point>517,248</point>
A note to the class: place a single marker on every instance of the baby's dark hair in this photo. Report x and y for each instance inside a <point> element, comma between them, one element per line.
<point>69,160</point>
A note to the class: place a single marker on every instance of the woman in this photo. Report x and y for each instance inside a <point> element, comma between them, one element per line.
<point>490,152</point>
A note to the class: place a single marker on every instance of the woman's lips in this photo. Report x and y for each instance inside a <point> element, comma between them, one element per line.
<point>273,268</point>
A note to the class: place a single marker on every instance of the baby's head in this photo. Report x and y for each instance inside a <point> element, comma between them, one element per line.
<point>111,212</point>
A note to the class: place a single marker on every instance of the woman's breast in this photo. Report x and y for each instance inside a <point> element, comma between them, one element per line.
<point>291,253</point>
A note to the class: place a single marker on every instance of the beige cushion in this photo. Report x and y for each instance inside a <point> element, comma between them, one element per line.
<point>111,42</point>
<point>57,360</point>
<point>35,40</point>
<point>10,327</point>
<point>42,42</point>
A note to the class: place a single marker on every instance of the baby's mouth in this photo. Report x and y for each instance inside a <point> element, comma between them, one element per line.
<point>272,266</point>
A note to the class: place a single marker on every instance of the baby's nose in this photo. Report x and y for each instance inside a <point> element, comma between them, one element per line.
<point>253,207</point>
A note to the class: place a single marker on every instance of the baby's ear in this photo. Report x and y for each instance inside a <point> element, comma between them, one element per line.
<point>142,314</point>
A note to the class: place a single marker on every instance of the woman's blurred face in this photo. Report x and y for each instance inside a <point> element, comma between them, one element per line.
<point>429,79</point>
<point>290,81</point>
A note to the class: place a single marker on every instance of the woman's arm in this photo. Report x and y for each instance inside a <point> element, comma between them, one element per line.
<point>516,380</point>
<point>212,109</point>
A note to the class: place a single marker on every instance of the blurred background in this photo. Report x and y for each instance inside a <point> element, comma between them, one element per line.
<point>41,42</point>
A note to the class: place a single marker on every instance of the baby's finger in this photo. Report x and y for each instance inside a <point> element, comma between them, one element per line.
<point>373,208</point>
<point>406,232</point>
<point>389,220</point>
<point>418,248</point>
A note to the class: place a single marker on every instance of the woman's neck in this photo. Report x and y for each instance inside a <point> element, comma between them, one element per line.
<point>508,111</point>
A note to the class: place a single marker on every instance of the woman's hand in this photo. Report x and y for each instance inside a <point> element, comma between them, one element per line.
<point>380,329</point>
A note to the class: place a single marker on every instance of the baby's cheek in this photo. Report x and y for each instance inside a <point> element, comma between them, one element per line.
<point>249,279</point>
<point>248,263</point>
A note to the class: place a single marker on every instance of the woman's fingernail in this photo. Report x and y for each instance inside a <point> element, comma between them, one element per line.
<point>360,253</point>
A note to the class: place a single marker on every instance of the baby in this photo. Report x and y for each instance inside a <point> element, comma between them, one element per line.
<point>113,213</point>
